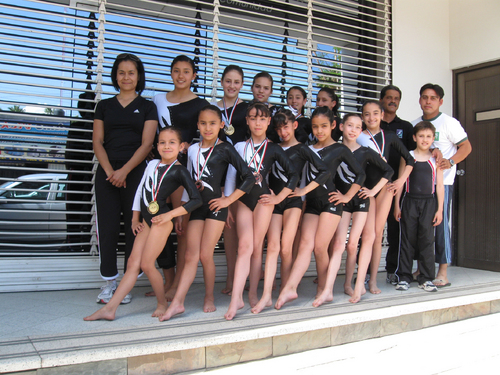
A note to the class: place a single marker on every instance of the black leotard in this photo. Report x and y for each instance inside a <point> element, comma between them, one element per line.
<point>298,154</point>
<point>365,157</point>
<point>422,180</point>
<point>392,142</point>
<point>212,178</point>
<point>332,156</point>
<point>177,176</point>
<point>274,153</point>
<point>239,123</point>
<point>185,117</point>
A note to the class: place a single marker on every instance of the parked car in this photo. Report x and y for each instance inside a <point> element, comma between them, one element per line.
<point>32,210</point>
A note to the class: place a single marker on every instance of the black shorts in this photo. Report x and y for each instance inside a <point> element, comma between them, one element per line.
<point>316,206</point>
<point>357,204</point>
<point>287,203</point>
<point>166,259</point>
<point>204,212</point>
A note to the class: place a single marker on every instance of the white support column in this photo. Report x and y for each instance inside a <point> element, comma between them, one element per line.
<point>310,46</point>
<point>215,40</point>
<point>98,92</point>
<point>387,42</point>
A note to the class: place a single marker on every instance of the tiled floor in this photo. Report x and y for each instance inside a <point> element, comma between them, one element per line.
<point>52,313</point>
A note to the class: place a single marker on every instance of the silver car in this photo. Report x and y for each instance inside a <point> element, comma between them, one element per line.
<point>33,211</point>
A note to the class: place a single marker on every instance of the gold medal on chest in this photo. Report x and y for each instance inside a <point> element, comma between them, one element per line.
<point>153,207</point>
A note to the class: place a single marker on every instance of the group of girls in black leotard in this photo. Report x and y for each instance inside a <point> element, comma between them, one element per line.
<point>257,172</point>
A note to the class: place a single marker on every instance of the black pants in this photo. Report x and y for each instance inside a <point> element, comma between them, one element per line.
<point>111,202</point>
<point>417,236</point>
<point>391,257</point>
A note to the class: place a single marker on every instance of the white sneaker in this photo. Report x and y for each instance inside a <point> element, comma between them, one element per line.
<point>107,291</point>
<point>428,286</point>
<point>127,299</point>
<point>402,285</point>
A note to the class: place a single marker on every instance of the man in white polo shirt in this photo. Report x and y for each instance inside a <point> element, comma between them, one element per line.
<point>452,140</point>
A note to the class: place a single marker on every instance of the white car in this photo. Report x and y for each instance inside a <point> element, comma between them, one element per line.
<point>33,210</point>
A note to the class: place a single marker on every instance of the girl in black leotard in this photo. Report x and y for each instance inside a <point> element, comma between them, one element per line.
<point>255,209</point>
<point>180,108</point>
<point>382,142</point>
<point>234,111</point>
<point>207,164</point>
<point>160,180</point>
<point>286,215</point>
<point>296,98</point>
<point>322,214</point>
<point>357,209</point>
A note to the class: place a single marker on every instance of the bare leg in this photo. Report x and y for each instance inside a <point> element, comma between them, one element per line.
<point>337,245</point>
<point>359,222</point>
<point>230,247</point>
<point>192,258</point>
<point>383,206</point>
<point>326,228</point>
<point>181,251</point>
<point>316,233</point>
<point>291,218</point>
<point>308,228</point>
<point>273,248</point>
<point>244,225</point>
<point>261,219</point>
<point>211,234</point>
<point>442,275</point>
<point>168,276</point>
<point>154,245</point>
<point>128,281</point>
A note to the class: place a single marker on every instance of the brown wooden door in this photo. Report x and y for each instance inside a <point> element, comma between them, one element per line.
<point>477,107</point>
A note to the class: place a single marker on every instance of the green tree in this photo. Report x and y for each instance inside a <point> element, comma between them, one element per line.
<point>49,111</point>
<point>329,66</point>
<point>16,108</point>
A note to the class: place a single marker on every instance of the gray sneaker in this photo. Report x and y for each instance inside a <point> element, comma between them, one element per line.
<point>428,286</point>
<point>127,299</point>
<point>392,278</point>
<point>107,291</point>
<point>402,285</point>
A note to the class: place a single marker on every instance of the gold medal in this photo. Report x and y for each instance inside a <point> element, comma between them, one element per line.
<point>153,207</point>
<point>229,130</point>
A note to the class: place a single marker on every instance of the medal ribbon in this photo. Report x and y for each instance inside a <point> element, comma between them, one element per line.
<point>263,144</point>
<point>380,151</point>
<point>155,178</point>
<point>230,118</point>
<point>199,174</point>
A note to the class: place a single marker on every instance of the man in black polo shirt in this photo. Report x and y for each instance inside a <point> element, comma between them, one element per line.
<point>390,96</point>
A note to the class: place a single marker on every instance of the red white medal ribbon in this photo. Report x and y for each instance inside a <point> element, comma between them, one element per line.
<point>256,152</point>
<point>380,150</point>
<point>230,118</point>
<point>155,179</point>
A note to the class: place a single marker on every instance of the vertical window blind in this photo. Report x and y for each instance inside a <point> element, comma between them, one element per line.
<point>55,64</point>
